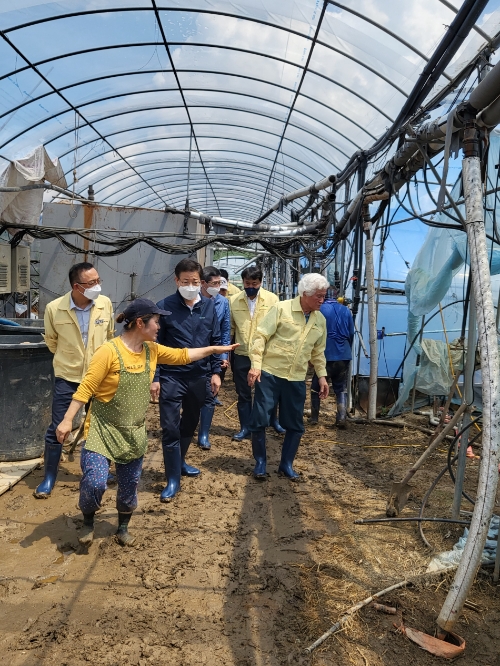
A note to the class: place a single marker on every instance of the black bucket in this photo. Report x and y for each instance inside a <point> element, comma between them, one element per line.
<point>26,387</point>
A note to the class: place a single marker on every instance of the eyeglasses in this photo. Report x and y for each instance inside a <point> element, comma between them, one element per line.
<point>91,283</point>
<point>214,283</point>
<point>186,283</point>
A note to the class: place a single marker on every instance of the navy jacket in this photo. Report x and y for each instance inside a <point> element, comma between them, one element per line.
<point>184,327</point>
<point>339,330</point>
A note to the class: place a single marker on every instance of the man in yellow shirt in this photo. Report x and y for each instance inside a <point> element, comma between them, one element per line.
<point>248,309</point>
<point>76,324</point>
<point>291,334</point>
<point>232,289</point>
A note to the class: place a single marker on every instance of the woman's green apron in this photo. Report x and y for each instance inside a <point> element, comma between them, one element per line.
<point>118,427</point>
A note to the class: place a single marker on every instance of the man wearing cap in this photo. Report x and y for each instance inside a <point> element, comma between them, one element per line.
<point>291,334</point>
<point>190,321</point>
<point>76,325</point>
<point>248,309</point>
<point>231,288</point>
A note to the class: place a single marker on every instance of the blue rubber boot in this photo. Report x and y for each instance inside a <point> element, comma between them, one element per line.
<point>244,413</point>
<point>206,416</point>
<point>187,470</point>
<point>259,453</point>
<point>340,419</point>
<point>288,453</point>
<point>172,459</point>
<point>51,460</point>
<point>275,423</point>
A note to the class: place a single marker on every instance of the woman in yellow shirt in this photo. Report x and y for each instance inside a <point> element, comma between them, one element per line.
<point>118,380</point>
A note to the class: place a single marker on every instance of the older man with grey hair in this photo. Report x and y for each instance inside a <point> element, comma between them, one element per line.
<point>291,334</point>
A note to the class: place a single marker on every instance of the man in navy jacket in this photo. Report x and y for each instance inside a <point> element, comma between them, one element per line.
<point>338,353</point>
<point>191,322</point>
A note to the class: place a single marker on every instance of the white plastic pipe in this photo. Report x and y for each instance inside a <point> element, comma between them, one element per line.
<point>488,471</point>
<point>372,317</point>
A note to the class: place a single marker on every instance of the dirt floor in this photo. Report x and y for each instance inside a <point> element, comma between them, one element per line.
<point>236,571</point>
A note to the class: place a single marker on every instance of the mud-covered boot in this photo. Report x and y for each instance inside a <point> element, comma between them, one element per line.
<point>172,460</point>
<point>206,416</point>
<point>259,453</point>
<point>187,470</point>
<point>244,413</point>
<point>275,423</point>
<point>341,417</point>
<point>313,419</point>
<point>288,453</point>
<point>122,534</point>
<point>86,535</point>
<point>51,459</point>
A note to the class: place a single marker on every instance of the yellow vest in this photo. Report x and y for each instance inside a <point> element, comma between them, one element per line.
<point>243,326</point>
<point>64,339</point>
<point>284,343</point>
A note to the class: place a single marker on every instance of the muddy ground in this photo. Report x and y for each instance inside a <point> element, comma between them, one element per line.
<point>235,571</point>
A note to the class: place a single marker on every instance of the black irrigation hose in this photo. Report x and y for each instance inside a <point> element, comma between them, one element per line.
<point>448,468</point>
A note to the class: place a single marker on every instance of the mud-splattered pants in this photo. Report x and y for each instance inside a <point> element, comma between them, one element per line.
<point>95,469</point>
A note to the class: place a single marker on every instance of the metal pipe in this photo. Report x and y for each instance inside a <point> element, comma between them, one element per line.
<point>372,315</point>
<point>488,471</point>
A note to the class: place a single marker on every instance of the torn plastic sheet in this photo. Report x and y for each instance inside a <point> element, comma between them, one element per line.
<point>451,558</point>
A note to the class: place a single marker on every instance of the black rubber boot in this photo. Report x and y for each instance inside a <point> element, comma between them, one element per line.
<point>187,470</point>
<point>122,534</point>
<point>288,453</point>
<point>172,460</point>
<point>341,410</point>
<point>244,413</point>
<point>313,420</point>
<point>206,416</point>
<point>275,423</point>
<point>86,535</point>
<point>259,453</point>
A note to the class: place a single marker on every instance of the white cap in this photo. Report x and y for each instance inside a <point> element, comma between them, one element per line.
<point>223,283</point>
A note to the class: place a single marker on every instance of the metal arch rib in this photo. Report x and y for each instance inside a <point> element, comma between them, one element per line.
<point>172,65</point>
<point>383,28</point>
<point>71,107</point>
<point>485,36</point>
<point>206,150</point>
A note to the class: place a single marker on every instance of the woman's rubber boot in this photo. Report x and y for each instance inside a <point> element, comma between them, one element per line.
<point>244,413</point>
<point>275,423</point>
<point>341,409</point>
<point>288,453</point>
<point>187,470</point>
<point>51,459</point>
<point>86,535</point>
<point>122,534</point>
<point>259,453</point>
<point>206,416</point>
<point>172,459</point>
<point>314,408</point>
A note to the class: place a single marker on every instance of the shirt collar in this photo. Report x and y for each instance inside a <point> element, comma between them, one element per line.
<point>74,306</point>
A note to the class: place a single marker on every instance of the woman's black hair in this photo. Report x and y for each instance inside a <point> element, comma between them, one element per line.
<point>131,324</point>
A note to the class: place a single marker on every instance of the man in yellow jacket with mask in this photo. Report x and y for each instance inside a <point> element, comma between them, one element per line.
<point>248,308</point>
<point>291,334</point>
<point>76,324</point>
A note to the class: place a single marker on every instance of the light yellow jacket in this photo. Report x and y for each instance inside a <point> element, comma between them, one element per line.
<point>284,343</point>
<point>232,289</point>
<point>243,326</point>
<point>63,337</point>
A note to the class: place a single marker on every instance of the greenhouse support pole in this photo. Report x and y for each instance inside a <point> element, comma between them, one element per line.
<point>372,314</point>
<point>488,471</point>
<point>468,399</point>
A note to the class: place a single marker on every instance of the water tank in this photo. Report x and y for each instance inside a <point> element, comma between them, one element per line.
<point>26,386</point>
<point>20,326</point>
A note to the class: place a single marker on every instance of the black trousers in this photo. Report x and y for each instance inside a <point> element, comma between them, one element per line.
<point>336,372</point>
<point>176,393</point>
<point>241,366</point>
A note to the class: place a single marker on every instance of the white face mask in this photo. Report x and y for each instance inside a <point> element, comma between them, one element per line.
<point>213,291</point>
<point>189,292</point>
<point>93,292</point>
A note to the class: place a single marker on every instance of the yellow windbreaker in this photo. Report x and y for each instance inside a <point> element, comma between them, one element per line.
<point>284,343</point>
<point>63,337</point>
<point>243,326</point>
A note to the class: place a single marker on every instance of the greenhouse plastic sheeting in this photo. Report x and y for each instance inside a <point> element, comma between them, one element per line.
<point>442,255</point>
<point>434,376</point>
<point>276,94</point>
<point>25,207</point>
